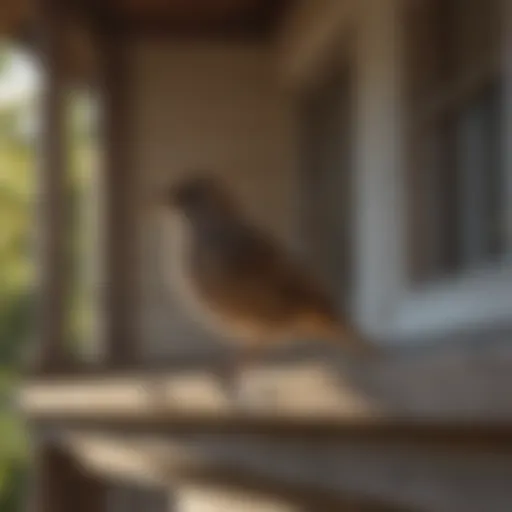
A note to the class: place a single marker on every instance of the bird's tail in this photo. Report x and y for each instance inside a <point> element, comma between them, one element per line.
<point>341,332</point>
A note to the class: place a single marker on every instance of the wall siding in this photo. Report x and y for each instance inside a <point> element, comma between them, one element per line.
<point>206,105</point>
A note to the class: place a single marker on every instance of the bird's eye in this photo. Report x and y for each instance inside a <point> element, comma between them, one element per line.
<point>193,193</point>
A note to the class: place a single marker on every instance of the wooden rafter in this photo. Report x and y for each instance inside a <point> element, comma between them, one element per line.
<point>171,17</point>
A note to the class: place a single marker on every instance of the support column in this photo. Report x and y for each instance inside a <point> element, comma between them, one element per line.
<point>118,190</point>
<point>506,59</point>
<point>51,190</point>
<point>61,485</point>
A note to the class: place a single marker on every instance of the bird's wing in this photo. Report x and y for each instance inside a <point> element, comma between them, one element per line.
<point>256,276</point>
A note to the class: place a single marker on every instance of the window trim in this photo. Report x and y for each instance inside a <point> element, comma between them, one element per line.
<point>476,300</point>
<point>386,303</point>
<point>468,301</point>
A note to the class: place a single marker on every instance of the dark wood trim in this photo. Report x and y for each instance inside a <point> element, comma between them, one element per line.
<point>257,22</point>
<point>60,484</point>
<point>52,194</point>
<point>118,182</point>
<point>445,435</point>
<point>168,30</point>
<point>506,57</point>
<point>134,405</point>
<point>181,465</point>
<point>385,469</point>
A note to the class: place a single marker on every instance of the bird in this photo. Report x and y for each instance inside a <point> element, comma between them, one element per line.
<point>241,282</point>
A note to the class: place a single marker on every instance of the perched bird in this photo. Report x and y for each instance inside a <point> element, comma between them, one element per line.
<point>240,281</point>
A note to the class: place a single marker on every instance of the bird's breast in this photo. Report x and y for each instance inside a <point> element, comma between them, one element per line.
<point>180,275</point>
<point>194,288</point>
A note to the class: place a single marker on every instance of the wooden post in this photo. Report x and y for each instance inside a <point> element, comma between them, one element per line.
<point>119,214</point>
<point>51,208</point>
<point>507,116</point>
<point>61,485</point>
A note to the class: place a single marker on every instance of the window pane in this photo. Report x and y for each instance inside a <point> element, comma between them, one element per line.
<point>456,129</point>
<point>481,178</point>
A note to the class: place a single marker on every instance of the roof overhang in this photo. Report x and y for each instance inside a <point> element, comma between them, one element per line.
<point>169,17</point>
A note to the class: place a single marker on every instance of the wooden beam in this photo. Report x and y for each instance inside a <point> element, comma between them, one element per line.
<point>302,401</point>
<point>258,22</point>
<point>255,20</point>
<point>200,479</point>
<point>51,212</point>
<point>118,190</point>
<point>506,56</point>
<point>329,474</point>
<point>300,391</point>
<point>60,484</point>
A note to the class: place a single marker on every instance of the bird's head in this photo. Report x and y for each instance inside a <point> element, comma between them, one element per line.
<point>198,195</point>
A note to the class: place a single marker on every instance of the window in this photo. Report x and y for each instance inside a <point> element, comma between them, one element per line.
<point>431,171</point>
<point>458,204</point>
<point>457,180</point>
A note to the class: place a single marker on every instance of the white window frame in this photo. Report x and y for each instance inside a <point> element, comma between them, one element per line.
<point>389,306</point>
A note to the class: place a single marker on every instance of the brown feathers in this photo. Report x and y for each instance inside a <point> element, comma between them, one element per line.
<point>250,288</point>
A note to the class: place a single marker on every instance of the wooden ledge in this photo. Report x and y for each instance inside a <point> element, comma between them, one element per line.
<point>162,463</point>
<point>299,391</point>
<point>301,401</point>
<point>295,472</point>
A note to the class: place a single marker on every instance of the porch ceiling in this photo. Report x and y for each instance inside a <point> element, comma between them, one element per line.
<point>14,15</point>
<point>182,17</point>
<point>197,15</point>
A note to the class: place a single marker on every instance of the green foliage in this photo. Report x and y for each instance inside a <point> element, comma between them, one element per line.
<point>16,158</point>
<point>13,495</point>
<point>15,236</point>
<point>5,56</point>
<point>17,180</point>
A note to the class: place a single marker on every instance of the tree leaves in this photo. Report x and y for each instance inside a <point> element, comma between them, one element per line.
<point>5,57</point>
<point>16,163</point>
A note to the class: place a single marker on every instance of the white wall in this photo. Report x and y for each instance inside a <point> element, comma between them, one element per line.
<point>216,106</point>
